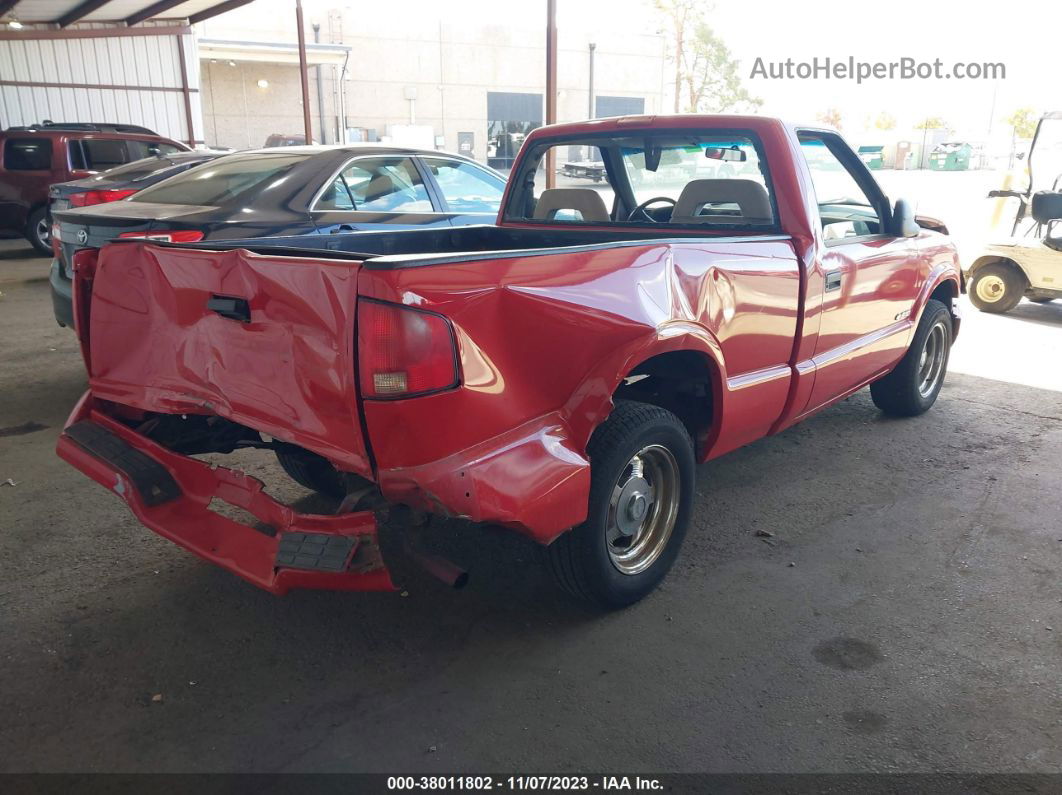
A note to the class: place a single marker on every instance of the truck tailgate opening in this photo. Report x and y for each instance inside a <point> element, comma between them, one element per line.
<point>266,341</point>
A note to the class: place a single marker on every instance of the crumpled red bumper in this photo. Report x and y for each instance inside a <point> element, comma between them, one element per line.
<point>294,551</point>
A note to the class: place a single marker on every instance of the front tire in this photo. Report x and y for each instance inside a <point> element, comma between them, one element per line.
<point>38,232</point>
<point>912,387</point>
<point>997,288</point>
<point>641,496</point>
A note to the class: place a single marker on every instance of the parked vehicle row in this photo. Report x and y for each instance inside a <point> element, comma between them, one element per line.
<point>559,373</point>
<point>112,185</point>
<point>32,159</point>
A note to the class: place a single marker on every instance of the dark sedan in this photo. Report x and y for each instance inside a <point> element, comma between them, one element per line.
<point>299,190</point>
<point>111,185</point>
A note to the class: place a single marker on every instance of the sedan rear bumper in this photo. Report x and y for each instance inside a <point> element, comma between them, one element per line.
<point>62,292</point>
<point>172,494</point>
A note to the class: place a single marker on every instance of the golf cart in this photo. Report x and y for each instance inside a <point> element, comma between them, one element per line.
<point>1029,262</point>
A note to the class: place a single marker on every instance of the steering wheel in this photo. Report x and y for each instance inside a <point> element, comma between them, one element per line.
<point>640,209</point>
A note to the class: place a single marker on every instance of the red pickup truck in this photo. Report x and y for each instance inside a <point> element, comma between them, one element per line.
<point>560,373</point>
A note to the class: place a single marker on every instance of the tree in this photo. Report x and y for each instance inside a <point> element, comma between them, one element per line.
<point>831,117</point>
<point>885,122</point>
<point>1023,122</point>
<point>706,74</point>
<point>933,123</point>
<point>712,81</point>
<point>927,124</point>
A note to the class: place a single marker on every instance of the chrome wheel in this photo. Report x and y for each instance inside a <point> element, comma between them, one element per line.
<point>643,508</point>
<point>44,233</point>
<point>932,359</point>
<point>990,288</point>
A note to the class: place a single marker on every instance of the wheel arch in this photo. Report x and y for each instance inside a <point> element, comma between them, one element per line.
<point>993,259</point>
<point>943,286</point>
<point>685,375</point>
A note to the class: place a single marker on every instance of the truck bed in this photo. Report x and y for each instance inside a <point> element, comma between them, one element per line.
<point>415,247</point>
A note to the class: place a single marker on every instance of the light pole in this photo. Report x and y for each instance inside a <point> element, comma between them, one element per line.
<point>590,109</point>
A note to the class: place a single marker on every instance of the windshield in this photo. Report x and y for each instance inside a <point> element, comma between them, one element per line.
<point>223,180</point>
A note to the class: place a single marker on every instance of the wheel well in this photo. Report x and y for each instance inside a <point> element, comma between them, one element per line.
<point>30,211</point>
<point>679,381</point>
<point>945,292</point>
<point>994,260</point>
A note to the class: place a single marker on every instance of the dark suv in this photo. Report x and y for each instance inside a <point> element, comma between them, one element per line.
<point>34,158</point>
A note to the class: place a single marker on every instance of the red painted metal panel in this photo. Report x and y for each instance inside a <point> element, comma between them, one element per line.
<point>289,372</point>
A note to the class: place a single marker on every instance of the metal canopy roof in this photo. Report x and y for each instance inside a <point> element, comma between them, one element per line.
<point>128,12</point>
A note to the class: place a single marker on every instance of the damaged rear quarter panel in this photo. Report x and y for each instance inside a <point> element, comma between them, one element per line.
<point>544,340</point>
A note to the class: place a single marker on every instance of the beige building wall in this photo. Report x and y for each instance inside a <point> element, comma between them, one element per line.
<point>448,64</point>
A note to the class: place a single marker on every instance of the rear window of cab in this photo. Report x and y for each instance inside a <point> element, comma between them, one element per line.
<point>689,179</point>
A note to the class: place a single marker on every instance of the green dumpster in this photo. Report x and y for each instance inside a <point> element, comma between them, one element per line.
<point>872,156</point>
<point>950,157</point>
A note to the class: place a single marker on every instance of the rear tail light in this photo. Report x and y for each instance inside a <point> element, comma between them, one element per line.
<point>90,197</point>
<point>176,236</point>
<point>404,352</point>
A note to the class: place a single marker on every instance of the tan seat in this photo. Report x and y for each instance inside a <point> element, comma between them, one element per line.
<point>750,197</point>
<point>588,203</point>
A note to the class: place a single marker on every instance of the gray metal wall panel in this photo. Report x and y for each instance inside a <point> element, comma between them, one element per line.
<point>121,61</point>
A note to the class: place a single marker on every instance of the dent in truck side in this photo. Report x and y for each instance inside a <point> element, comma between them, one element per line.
<point>544,347</point>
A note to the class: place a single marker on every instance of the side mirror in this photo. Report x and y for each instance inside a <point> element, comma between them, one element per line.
<point>903,220</point>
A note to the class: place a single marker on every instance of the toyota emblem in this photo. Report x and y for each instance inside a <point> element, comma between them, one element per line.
<point>82,237</point>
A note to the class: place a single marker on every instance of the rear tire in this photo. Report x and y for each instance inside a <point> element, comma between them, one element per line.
<point>312,471</point>
<point>38,232</point>
<point>997,287</point>
<point>1041,300</point>
<point>912,387</point>
<point>641,495</point>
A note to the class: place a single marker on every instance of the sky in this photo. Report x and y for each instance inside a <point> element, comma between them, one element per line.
<point>1022,36</point>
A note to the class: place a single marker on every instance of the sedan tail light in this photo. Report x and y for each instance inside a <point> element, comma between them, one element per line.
<point>403,352</point>
<point>90,197</point>
<point>176,236</point>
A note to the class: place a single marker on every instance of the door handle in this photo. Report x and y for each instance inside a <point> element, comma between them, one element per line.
<point>231,307</point>
<point>342,228</point>
<point>833,279</point>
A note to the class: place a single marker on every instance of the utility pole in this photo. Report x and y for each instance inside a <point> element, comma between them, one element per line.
<point>551,86</point>
<point>307,126</point>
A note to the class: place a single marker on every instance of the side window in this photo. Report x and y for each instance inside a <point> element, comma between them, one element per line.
<point>844,207</point>
<point>102,153</point>
<point>467,188</point>
<point>378,184</point>
<point>336,196</point>
<point>28,154</point>
<point>138,150</point>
